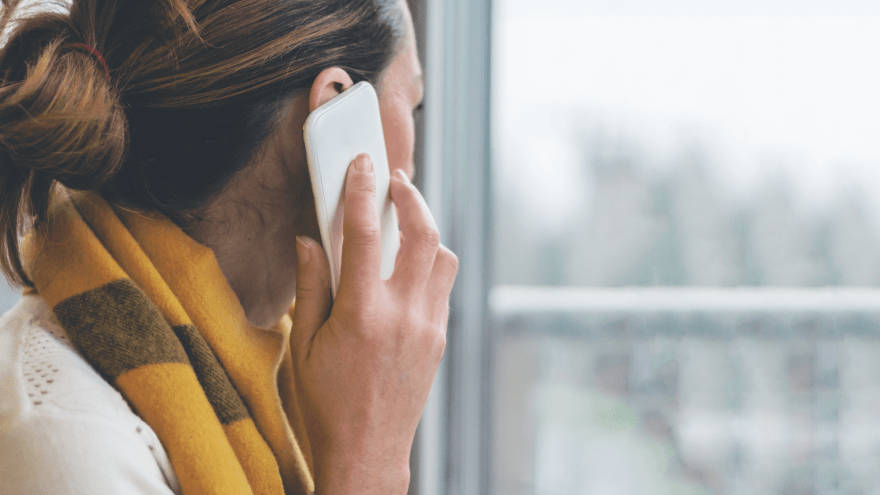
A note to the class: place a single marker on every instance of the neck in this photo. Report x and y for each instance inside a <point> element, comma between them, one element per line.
<point>252,224</point>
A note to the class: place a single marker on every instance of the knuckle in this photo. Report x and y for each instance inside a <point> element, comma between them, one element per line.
<point>428,238</point>
<point>366,234</point>
<point>428,325</point>
<point>440,344</point>
<point>358,320</point>
<point>440,335</point>
<point>411,318</point>
<point>365,185</point>
<point>307,288</point>
<point>448,258</point>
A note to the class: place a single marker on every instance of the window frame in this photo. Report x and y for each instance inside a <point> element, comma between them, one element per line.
<point>451,453</point>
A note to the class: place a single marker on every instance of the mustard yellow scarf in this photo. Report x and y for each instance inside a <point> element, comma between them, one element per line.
<point>149,309</point>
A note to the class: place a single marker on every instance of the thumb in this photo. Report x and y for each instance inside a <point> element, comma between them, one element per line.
<point>313,300</point>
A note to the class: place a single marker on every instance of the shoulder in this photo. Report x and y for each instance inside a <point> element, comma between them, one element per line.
<point>63,429</point>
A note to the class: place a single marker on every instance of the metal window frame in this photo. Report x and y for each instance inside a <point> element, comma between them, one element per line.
<point>452,450</point>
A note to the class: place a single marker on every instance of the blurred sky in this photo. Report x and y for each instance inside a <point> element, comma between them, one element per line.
<point>778,90</point>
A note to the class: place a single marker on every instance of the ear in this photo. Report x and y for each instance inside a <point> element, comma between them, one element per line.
<point>329,84</point>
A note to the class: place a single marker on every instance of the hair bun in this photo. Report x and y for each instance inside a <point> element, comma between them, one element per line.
<point>63,120</point>
<point>60,120</point>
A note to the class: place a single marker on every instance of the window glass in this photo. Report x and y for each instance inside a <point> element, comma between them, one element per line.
<point>687,143</point>
<point>686,247</point>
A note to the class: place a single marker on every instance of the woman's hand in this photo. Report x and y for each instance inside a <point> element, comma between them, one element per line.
<point>364,372</point>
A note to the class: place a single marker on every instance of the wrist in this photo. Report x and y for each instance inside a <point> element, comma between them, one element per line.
<point>343,474</point>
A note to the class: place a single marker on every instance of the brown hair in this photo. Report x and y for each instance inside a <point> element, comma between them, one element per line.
<point>195,88</point>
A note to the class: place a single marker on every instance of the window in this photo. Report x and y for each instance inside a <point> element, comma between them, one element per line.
<point>8,297</point>
<point>686,247</point>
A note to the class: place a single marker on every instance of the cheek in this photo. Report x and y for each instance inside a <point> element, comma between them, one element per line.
<point>399,129</point>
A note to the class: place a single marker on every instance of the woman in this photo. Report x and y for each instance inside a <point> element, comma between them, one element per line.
<point>154,149</point>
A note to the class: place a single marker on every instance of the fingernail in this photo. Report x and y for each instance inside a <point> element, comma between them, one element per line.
<point>302,250</point>
<point>363,163</point>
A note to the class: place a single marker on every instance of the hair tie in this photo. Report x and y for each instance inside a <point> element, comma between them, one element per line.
<point>96,54</point>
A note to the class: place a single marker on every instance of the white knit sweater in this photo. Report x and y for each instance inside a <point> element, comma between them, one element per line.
<point>63,428</point>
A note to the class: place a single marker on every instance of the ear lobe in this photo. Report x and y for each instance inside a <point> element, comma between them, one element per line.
<point>329,84</point>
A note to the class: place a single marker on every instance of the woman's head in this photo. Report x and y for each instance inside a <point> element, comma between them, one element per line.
<point>196,88</point>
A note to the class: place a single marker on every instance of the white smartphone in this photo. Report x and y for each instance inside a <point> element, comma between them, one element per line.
<point>335,133</point>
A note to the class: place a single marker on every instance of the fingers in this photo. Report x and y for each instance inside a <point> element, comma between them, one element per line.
<point>362,235</point>
<point>313,299</point>
<point>420,236</point>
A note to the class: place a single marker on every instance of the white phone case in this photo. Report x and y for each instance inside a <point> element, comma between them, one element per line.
<point>335,134</point>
